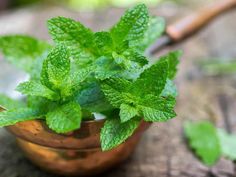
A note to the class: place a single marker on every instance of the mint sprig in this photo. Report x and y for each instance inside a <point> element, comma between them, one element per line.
<point>86,72</point>
<point>210,143</point>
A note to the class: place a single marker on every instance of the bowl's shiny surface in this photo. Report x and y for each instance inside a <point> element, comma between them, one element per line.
<point>75,154</point>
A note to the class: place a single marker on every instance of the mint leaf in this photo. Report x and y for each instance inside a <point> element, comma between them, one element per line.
<point>14,116</point>
<point>106,68</point>
<point>131,26</point>
<point>23,51</point>
<point>204,140</point>
<point>104,42</point>
<point>153,79</point>
<point>170,89</point>
<point>156,27</point>
<point>9,103</point>
<point>173,60</point>
<point>157,109</point>
<point>33,88</point>
<point>56,68</point>
<point>74,35</point>
<point>64,118</point>
<point>135,56</point>
<point>228,144</point>
<point>95,103</point>
<point>117,91</point>
<point>127,112</point>
<point>114,132</point>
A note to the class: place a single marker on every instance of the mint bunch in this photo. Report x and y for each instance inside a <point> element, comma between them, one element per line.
<point>86,72</point>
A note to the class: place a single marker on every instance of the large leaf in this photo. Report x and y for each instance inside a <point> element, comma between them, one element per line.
<point>11,117</point>
<point>65,118</point>
<point>9,103</point>
<point>114,132</point>
<point>33,88</point>
<point>74,35</point>
<point>203,139</point>
<point>23,51</point>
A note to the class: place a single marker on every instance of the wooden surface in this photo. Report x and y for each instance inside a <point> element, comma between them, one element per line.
<point>162,151</point>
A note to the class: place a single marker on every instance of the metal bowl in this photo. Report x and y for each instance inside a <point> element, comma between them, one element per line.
<point>74,154</point>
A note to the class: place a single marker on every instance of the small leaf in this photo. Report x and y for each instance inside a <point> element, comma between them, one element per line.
<point>204,140</point>
<point>153,79</point>
<point>114,132</point>
<point>9,103</point>
<point>56,68</point>
<point>65,118</point>
<point>23,51</point>
<point>173,61</point>
<point>127,112</point>
<point>156,27</point>
<point>170,89</point>
<point>33,88</point>
<point>228,144</point>
<point>114,90</point>
<point>95,103</point>
<point>132,26</point>
<point>14,116</point>
<point>103,42</point>
<point>157,109</point>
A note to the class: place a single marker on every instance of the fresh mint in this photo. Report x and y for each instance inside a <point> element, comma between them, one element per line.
<point>210,143</point>
<point>86,72</point>
<point>204,140</point>
<point>24,51</point>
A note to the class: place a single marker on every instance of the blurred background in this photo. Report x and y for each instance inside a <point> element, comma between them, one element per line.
<point>206,82</point>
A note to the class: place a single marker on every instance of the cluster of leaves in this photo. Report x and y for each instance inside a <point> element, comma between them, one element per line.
<point>86,72</point>
<point>209,142</point>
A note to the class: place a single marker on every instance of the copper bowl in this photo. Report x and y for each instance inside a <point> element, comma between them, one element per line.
<point>74,154</point>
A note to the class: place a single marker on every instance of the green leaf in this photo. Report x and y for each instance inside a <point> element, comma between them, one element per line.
<point>117,91</point>
<point>103,42</point>
<point>95,103</point>
<point>173,61</point>
<point>127,112</point>
<point>228,144</point>
<point>157,109</point>
<point>204,140</point>
<point>23,51</point>
<point>156,27</point>
<point>170,89</point>
<point>153,79</point>
<point>114,132</point>
<point>106,68</point>
<point>133,55</point>
<point>79,39</point>
<point>33,88</point>
<point>9,103</point>
<point>65,118</point>
<point>56,68</point>
<point>131,26</point>
<point>14,116</point>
